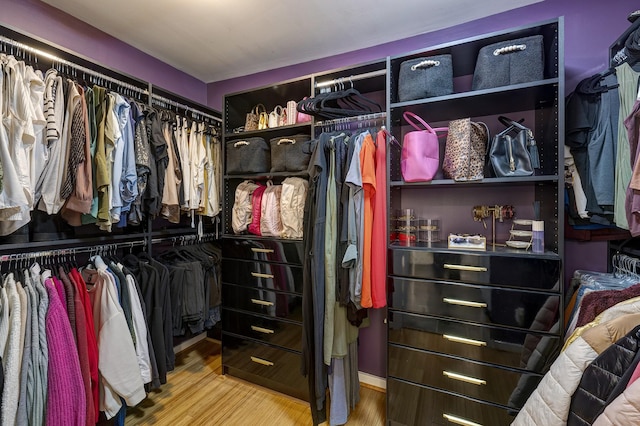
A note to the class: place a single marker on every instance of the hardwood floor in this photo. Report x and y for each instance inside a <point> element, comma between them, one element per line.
<point>197,394</point>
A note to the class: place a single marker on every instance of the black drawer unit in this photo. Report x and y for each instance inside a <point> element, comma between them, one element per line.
<point>263,275</point>
<point>276,332</point>
<point>264,302</point>
<point>265,365</point>
<point>410,404</point>
<point>471,378</point>
<point>262,313</point>
<point>483,304</point>
<point>494,345</point>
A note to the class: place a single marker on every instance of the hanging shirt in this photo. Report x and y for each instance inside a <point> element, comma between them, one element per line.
<point>353,255</point>
<point>186,164</point>
<point>116,354</point>
<point>379,236</point>
<point>170,200</point>
<point>13,200</point>
<point>34,82</point>
<point>627,90</point>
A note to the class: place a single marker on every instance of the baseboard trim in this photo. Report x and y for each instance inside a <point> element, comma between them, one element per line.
<point>188,343</point>
<point>370,380</point>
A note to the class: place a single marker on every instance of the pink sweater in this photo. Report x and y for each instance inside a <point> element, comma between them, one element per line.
<point>66,403</point>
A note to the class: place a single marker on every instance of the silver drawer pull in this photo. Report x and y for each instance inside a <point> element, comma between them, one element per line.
<point>262,330</point>
<point>465,267</point>
<point>261,302</point>
<point>463,378</point>
<point>262,361</point>
<point>467,303</point>
<point>259,275</point>
<point>464,340</point>
<point>459,420</point>
<point>261,250</point>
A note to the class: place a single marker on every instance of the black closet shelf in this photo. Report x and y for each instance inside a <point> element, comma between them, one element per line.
<point>517,97</point>
<point>486,181</point>
<point>268,175</point>
<point>270,133</point>
<point>258,237</point>
<point>70,243</point>
<point>490,251</point>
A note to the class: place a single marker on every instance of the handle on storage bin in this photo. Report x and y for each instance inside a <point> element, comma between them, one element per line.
<point>260,275</point>
<point>261,302</point>
<point>459,420</point>
<point>262,361</point>
<point>261,250</point>
<point>463,378</point>
<point>262,330</point>
<point>467,303</point>
<point>464,340</point>
<point>465,267</point>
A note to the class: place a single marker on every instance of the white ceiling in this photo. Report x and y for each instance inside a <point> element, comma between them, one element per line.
<point>214,40</point>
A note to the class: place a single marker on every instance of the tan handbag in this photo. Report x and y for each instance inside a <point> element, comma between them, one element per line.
<point>263,120</point>
<point>275,117</point>
<point>252,121</point>
<point>465,150</point>
<point>294,194</point>
<point>242,208</point>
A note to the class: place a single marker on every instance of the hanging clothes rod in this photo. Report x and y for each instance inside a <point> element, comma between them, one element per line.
<point>357,118</point>
<point>186,238</point>
<point>71,251</point>
<point>183,106</point>
<point>351,78</point>
<point>69,64</point>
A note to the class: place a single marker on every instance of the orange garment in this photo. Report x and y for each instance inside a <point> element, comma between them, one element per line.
<point>569,308</point>
<point>379,237</point>
<point>368,170</point>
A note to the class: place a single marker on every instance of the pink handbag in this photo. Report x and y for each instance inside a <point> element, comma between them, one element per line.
<point>420,151</point>
<point>301,117</point>
<point>256,204</point>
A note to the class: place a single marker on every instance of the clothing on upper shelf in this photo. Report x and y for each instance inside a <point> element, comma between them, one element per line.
<point>95,156</point>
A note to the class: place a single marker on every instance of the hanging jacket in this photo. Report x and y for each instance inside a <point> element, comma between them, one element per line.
<point>624,409</point>
<point>549,404</point>
<point>601,377</point>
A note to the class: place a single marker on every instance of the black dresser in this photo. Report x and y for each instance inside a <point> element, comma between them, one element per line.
<point>262,313</point>
<point>468,334</point>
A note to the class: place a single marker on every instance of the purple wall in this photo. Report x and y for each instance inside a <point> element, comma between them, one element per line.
<point>41,20</point>
<point>591,26</point>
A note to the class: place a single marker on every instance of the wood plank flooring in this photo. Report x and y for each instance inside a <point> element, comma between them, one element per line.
<point>197,394</point>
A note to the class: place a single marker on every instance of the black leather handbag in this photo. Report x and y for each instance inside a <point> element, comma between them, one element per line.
<point>425,78</point>
<point>249,155</point>
<point>513,151</point>
<point>509,62</point>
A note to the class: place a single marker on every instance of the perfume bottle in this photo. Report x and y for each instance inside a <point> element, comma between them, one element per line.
<point>537,227</point>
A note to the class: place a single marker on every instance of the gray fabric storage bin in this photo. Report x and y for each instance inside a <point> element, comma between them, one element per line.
<point>425,78</point>
<point>290,153</point>
<point>249,155</point>
<point>509,62</point>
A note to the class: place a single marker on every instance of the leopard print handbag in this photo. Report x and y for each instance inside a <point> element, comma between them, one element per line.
<point>465,150</point>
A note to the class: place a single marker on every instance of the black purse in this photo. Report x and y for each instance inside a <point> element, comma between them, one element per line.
<point>513,151</point>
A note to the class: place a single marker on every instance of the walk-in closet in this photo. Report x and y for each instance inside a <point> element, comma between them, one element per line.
<point>402,214</point>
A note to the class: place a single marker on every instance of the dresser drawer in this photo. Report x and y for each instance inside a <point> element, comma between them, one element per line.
<point>264,249</point>
<point>483,304</point>
<point>270,276</point>
<point>264,302</point>
<point>280,333</point>
<point>481,268</point>
<point>277,369</point>
<point>506,347</point>
<point>484,382</point>
<point>410,405</point>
